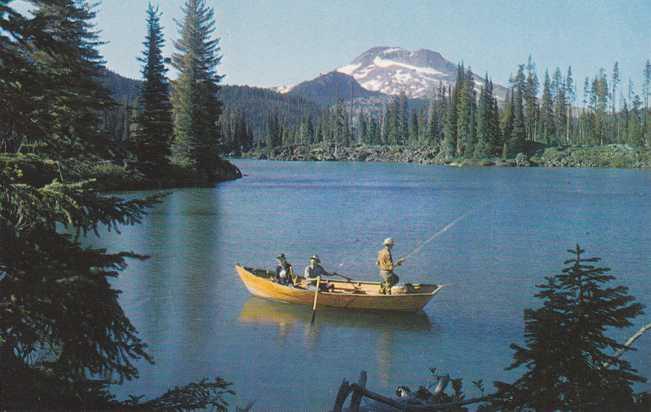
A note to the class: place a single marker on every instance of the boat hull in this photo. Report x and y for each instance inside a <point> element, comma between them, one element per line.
<point>368,300</point>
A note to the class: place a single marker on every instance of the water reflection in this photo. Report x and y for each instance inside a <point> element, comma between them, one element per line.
<point>288,318</point>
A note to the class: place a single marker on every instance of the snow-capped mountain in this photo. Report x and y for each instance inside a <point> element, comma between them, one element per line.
<point>391,70</point>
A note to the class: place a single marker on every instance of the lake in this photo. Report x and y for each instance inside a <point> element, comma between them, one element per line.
<point>200,321</point>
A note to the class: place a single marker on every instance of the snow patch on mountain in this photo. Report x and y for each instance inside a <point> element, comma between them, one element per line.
<point>380,62</point>
<point>349,69</point>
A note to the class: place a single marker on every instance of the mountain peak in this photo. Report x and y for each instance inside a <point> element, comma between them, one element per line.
<point>392,70</point>
<point>388,70</point>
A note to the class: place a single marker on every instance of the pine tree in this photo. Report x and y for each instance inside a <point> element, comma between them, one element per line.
<point>585,123</point>
<point>646,89</point>
<point>274,131</point>
<point>24,114</point>
<point>635,124</point>
<point>341,130</point>
<point>569,354</point>
<point>495,133</point>
<point>615,80</point>
<point>194,99</point>
<point>422,138</point>
<point>71,61</point>
<point>624,122</point>
<point>449,145</point>
<point>393,122</point>
<point>155,127</point>
<point>517,140</point>
<point>570,96</point>
<point>560,104</point>
<point>483,147</point>
<point>244,134</point>
<point>384,129</point>
<point>465,108</point>
<point>599,104</point>
<point>413,129</point>
<point>402,119</point>
<point>432,129</point>
<point>531,100</point>
<point>506,121</point>
<point>547,111</point>
<point>374,137</point>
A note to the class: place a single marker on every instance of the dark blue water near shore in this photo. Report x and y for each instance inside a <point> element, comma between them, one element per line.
<point>200,321</point>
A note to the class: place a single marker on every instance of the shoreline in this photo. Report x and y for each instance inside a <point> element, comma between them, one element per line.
<point>125,178</point>
<point>606,156</point>
<point>112,177</point>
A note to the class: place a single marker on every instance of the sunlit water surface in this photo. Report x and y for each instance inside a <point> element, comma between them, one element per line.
<point>200,321</point>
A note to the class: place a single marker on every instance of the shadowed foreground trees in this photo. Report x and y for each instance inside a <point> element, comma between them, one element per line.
<point>63,334</point>
<point>570,358</point>
<point>64,337</point>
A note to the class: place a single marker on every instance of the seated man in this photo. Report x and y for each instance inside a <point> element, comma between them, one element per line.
<point>284,271</point>
<point>314,270</point>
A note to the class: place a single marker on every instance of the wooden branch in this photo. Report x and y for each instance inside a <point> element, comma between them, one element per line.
<point>441,385</point>
<point>629,343</point>
<point>359,391</point>
<point>344,391</point>
<point>358,394</point>
<point>441,406</point>
<point>378,397</point>
<point>635,337</point>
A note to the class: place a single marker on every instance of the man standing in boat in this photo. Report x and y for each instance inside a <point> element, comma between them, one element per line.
<point>386,266</point>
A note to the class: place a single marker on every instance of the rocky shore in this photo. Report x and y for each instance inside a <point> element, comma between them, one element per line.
<point>607,156</point>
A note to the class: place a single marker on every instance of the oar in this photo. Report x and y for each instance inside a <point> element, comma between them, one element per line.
<point>316,296</point>
<point>342,276</point>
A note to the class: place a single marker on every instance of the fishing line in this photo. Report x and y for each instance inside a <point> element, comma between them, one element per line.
<point>434,236</point>
<point>439,233</point>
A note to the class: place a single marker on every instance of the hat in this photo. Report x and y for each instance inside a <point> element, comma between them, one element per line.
<point>388,242</point>
<point>315,258</point>
<point>281,257</point>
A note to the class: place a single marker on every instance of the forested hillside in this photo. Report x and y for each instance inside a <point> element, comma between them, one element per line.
<point>247,110</point>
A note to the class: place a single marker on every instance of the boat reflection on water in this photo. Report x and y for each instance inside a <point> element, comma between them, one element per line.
<point>288,317</point>
<point>264,312</point>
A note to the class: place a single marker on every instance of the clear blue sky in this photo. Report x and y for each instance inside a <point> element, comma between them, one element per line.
<point>276,42</point>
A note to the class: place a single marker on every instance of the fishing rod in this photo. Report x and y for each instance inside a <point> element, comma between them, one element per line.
<point>435,235</point>
<point>420,246</point>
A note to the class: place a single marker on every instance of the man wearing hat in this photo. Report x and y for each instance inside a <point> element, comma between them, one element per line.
<point>284,270</point>
<point>386,266</point>
<point>314,270</point>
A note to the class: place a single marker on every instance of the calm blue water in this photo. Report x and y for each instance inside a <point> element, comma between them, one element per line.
<point>200,321</point>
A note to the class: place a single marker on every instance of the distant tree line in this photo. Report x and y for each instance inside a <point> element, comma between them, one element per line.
<point>470,121</point>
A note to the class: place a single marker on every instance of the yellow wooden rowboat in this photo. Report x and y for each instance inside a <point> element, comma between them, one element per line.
<point>342,293</point>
